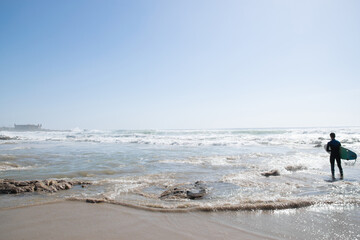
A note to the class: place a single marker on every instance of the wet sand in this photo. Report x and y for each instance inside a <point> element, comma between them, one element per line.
<point>78,220</point>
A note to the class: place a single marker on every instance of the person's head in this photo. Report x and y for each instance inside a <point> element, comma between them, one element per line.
<point>332,135</point>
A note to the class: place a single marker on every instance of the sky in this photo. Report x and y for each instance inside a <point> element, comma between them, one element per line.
<point>179,64</point>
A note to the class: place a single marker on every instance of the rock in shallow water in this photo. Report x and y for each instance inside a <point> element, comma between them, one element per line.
<point>185,191</point>
<point>271,173</point>
<point>10,186</point>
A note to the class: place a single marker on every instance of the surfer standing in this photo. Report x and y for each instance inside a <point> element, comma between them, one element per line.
<point>334,147</point>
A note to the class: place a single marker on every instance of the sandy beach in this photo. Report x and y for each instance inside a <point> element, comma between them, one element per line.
<point>78,220</point>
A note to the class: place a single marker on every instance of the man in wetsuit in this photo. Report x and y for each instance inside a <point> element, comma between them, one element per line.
<point>334,147</point>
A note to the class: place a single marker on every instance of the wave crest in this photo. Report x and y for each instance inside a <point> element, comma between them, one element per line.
<point>188,207</point>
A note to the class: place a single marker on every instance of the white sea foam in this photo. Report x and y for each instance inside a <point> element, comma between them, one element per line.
<point>235,137</point>
<point>135,166</point>
<point>9,166</point>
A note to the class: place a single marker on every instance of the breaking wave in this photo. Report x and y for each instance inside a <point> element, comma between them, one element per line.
<point>216,137</point>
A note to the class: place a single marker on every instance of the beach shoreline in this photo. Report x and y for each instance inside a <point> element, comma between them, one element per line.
<point>248,184</point>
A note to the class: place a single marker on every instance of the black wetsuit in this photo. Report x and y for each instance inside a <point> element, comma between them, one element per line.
<point>334,147</point>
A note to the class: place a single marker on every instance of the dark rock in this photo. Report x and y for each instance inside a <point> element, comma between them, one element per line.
<point>95,200</point>
<point>60,186</point>
<point>194,195</point>
<point>11,181</point>
<point>28,188</point>
<point>185,191</point>
<point>41,186</point>
<point>22,184</point>
<point>271,173</point>
<point>9,186</point>
<point>80,183</point>
<point>47,182</point>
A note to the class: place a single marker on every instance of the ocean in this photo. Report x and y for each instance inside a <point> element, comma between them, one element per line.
<point>133,168</point>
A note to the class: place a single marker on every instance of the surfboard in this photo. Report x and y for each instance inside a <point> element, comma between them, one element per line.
<point>345,153</point>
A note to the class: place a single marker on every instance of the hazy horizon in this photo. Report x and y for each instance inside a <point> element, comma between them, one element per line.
<point>183,129</point>
<point>179,65</point>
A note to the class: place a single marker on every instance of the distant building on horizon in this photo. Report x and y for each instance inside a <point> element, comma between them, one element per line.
<point>28,127</point>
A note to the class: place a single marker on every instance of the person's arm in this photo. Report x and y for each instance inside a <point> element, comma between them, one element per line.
<point>328,148</point>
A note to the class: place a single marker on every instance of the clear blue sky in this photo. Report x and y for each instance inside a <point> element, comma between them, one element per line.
<point>180,64</point>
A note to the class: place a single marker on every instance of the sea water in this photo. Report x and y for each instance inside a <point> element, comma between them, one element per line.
<point>133,168</point>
